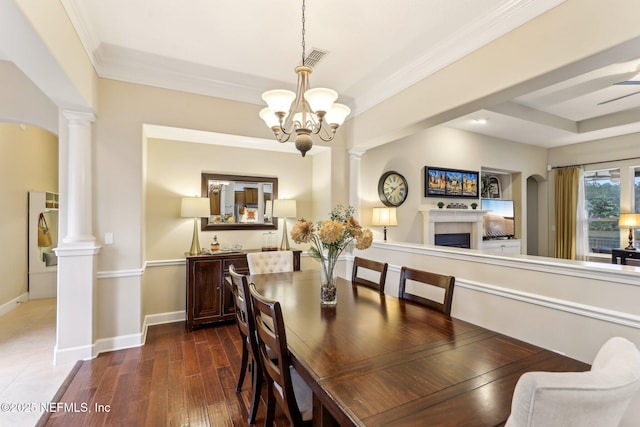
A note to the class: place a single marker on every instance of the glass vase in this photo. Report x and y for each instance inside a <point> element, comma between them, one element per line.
<point>328,291</point>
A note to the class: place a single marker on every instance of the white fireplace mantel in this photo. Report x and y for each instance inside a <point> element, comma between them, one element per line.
<point>462,220</point>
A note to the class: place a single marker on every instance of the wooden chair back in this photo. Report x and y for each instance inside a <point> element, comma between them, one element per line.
<point>244,312</point>
<point>275,358</point>
<point>430,279</point>
<point>368,264</point>
<point>245,321</point>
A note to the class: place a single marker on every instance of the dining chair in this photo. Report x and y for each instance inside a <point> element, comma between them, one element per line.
<point>427,289</point>
<point>598,397</point>
<point>270,262</point>
<point>284,384</point>
<point>360,264</point>
<point>246,326</point>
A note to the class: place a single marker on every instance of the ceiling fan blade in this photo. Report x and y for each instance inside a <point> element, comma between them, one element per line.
<point>619,97</point>
<point>628,83</point>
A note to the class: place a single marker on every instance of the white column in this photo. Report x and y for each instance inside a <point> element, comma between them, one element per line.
<point>80,169</point>
<point>76,303</point>
<point>355,157</point>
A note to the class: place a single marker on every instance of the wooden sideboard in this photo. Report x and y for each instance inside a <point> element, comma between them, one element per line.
<point>208,299</point>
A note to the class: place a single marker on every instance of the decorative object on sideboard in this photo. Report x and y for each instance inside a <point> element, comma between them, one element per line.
<point>440,205</point>
<point>631,220</point>
<point>284,208</point>
<point>384,217</point>
<point>195,207</point>
<point>305,112</point>
<point>269,241</point>
<point>474,205</point>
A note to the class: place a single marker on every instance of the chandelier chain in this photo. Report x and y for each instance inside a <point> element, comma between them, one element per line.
<point>303,31</point>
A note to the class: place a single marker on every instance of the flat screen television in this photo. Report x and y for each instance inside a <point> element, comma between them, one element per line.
<point>499,222</point>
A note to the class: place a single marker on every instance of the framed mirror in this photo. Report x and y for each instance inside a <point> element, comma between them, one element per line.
<point>239,202</point>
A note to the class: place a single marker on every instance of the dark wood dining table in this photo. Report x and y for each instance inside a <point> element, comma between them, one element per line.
<point>378,360</point>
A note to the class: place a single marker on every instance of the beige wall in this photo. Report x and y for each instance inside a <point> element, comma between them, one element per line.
<point>28,162</point>
<point>447,148</point>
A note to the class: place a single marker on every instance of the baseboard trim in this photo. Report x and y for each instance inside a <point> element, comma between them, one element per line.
<point>12,304</point>
<point>160,319</point>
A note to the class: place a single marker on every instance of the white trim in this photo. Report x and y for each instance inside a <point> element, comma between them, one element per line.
<point>119,342</point>
<point>610,316</point>
<point>12,304</point>
<point>120,273</point>
<point>165,262</point>
<point>623,274</point>
<point>72,354</point>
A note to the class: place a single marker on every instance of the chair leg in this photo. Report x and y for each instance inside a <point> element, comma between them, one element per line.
<point>271,406</point>
<point>257,387</point>
<point>243,365</point>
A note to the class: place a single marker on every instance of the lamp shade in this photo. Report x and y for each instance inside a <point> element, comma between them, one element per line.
<point>337,114</point>
<point>279,100</point>
<point>629,220</point>
<point>320,98</point>
<point>384,217</point>
<point>194,207</point>
<point>284,208</point>
<point>269,118</point>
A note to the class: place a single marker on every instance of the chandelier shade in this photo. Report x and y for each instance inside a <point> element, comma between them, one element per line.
<point>320,99</point>
<point>303,113</point>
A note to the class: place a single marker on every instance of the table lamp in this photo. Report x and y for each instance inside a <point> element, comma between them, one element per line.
<point>284,208</point>
<point>384,217</point>
<point>630,220</point>
<point>195,207</point>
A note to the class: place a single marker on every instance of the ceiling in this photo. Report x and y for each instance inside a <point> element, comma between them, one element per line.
<point>238,49</point>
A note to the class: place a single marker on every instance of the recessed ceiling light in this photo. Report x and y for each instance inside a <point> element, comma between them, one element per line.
<point>482,121</point>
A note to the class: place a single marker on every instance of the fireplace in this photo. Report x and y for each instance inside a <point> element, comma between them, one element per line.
<point>453,221</point>
<point>454,240</point>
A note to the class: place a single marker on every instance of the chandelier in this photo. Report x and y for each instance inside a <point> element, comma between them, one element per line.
<point>305,112</point>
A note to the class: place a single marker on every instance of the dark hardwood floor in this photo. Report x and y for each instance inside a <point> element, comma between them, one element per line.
<point>177,378</point>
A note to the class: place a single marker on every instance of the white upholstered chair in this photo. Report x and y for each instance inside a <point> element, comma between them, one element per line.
<point>598,397</point>
<point>270,262</point>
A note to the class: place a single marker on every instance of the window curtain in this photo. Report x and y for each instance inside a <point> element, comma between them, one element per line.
<point>582,221</point>
<point>566,209</point>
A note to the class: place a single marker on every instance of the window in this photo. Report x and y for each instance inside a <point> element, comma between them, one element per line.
<point>602,200</point>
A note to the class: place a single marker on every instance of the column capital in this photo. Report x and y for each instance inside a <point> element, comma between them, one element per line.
<point>356,153</point>
<point>79,116</point>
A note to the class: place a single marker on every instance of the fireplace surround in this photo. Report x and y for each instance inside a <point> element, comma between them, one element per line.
<point>453,221</point>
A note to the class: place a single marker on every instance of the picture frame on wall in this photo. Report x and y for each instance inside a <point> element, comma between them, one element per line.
<point>444,182</point>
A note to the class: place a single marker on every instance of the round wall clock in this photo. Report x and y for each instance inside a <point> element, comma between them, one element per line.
<point>392,188</point>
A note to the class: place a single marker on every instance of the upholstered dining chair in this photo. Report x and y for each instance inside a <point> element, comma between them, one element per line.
<point>380,268</point>
<point>427,288</point>
<point>598,397</point>
<point>247,328</point>
<point>270,262</point>
<point>284,384</point>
